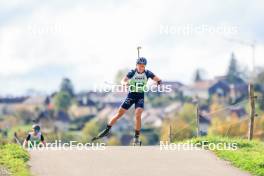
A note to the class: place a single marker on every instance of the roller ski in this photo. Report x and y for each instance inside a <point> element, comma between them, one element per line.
<point>102,134</point>
<point>136,142</point>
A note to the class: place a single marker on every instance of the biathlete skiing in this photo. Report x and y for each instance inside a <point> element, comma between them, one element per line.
<point>136,81</point>
<point>34,138</point>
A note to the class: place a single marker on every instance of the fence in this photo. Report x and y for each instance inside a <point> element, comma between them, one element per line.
<point>243,119</point>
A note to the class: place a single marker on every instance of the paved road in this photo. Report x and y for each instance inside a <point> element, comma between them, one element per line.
<point>129,161</point>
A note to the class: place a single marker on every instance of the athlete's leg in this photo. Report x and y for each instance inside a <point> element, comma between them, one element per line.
<point>113,120</point>
<point>121,111</point>
<point>130,100</point>
<point>138,113</point>
<point>139,107</point>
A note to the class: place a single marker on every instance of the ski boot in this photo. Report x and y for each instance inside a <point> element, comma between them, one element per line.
<point>136,142</point>
<point>102,134</point>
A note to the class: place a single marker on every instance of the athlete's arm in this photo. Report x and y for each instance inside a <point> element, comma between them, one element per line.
<point>42,140</point>
<point>157,79</point>
<point>25,143</point>
<point>129,75</point>
<point>124,81</point>
<point>153,77</point>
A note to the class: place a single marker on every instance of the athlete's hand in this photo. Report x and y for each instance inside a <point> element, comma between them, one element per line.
<point>124,81</point>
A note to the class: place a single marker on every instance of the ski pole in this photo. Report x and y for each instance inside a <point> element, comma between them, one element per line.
<point>138,49</point>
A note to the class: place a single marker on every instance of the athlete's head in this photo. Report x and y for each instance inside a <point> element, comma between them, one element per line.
<point>36,128</point>
<point>141,64</point>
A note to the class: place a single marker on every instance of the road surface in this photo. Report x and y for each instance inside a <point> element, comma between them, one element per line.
<point>129,161</point>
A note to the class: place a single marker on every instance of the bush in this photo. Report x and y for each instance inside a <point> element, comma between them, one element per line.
<point>91,129</point>
<point>14,158</point>
<point>113,141</point>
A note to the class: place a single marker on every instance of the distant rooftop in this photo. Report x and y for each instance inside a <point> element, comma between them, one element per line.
<point>12,100</point>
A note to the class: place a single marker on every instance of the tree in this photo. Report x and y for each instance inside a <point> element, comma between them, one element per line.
<point>180,130</point>
<point>231,126</point>
<point>188,113</point>
<point>62,101</point>
<point>91,129</point>
<point>113,140</point>
<point>67,86</point>
<point>183,124</point>
<point>233,69</point>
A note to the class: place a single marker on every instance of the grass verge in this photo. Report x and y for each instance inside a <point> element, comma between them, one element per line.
<point>14,158</point>
<point>248,155</point>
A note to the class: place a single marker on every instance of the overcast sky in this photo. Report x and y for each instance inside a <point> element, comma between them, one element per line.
<point>89,41</point>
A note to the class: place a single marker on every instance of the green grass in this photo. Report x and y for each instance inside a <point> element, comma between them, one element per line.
<point>249,155</point>
<point>14,158</point>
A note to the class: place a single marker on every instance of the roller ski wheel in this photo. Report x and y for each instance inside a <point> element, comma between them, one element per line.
<point>137,142</point>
